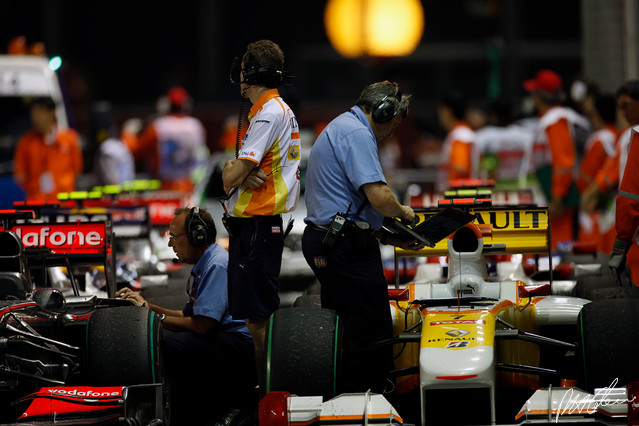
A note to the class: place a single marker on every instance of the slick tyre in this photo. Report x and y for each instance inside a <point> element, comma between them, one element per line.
<point>303,352</point>
<point>123,347</point>
<point>608,347</point>
<point>308,301</point>
<point>587,285</point>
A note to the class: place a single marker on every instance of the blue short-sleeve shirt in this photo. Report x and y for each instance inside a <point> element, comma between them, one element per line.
<point>343,158</point>
<point>208,290</point>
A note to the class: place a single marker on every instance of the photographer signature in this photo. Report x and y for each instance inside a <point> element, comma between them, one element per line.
<point>577,404</point>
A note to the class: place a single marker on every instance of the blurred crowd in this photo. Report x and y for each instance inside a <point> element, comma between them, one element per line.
<point>571,146</point>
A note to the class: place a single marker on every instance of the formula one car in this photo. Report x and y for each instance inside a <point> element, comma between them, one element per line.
<point>469,350</point>
<point>72,359</point>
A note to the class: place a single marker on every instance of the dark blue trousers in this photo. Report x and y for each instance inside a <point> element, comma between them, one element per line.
<point>353,284</point>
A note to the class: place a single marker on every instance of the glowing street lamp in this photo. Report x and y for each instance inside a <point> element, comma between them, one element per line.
<point>358,28</point>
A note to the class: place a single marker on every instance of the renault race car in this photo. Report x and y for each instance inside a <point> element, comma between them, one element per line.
<point>470,350</point>
<point>71,359</point>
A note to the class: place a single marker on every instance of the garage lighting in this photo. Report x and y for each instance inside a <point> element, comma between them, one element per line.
<point>359,28</point>
<point>55,63</point>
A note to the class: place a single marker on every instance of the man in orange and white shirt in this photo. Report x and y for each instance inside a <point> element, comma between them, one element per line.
<point>554,156</point>
<point>261,183</point>
<point>459,157</point>
<point>174,143</point>
<point>47,158</point>
<point>599,147</point>
<point>627,209</point>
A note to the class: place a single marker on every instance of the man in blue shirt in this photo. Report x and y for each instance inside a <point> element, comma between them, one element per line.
<point>209,356</point>
<point>344,176</point>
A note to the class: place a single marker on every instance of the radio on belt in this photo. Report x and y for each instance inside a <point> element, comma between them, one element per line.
<point>336,228</point>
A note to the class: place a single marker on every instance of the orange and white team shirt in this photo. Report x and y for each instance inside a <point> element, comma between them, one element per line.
<point>597,226</point>
<point>627,211</point>
<point>181,143</point>
<point>460,156</point>
<point>609,176</point>
<point>273,143</point>
<point>600,146</point>
<point>174,144</point>
<point>554,145</point>
<point>627,222</point>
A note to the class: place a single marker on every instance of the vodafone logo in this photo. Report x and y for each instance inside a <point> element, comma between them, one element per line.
<point>81,237</point>
<point>87,392</point>
<point>46,238</point>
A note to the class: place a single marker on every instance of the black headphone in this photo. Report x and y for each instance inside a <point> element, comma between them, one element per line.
<point>261,76</point>
<point>256,75</point>
<point>387,109</point>
<point>197,231</point>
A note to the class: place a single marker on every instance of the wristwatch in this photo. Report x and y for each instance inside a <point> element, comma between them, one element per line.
<point>162,316</point>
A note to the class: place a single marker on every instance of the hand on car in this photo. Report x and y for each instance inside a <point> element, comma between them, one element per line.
<point>132,296</point>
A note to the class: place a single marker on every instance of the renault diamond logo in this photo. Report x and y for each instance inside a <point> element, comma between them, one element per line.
<point>457,333</point>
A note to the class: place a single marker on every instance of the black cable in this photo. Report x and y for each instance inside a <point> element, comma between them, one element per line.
<point>239,129</point>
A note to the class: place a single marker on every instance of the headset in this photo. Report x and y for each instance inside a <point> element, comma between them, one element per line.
<point>196,228</point>
<point>256,75</point>
<point>387,109</point>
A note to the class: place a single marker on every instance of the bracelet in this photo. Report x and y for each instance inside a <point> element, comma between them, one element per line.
<point>162,316</point>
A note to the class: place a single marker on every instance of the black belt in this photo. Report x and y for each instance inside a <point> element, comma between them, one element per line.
<point>322,228</point>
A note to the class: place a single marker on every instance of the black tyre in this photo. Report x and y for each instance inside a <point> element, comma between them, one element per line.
<point>586,285</point>
<point>123,347</point>
<point>615,293</point>
<point>608,332</point>
<point>303,352</point>
<point>308,301</point>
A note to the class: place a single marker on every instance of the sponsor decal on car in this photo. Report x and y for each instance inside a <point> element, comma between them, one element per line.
<point>81,237</point>
<point>60,401</point>
<point>513,230</point>
<point>449,331</point>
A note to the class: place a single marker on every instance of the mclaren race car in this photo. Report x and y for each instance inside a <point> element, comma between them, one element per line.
<point>71,359</point>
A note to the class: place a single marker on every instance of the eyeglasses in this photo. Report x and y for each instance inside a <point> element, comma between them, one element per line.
<point>172,238</point>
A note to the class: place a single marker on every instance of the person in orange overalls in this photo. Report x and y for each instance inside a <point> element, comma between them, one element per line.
<point>627,209</point>
<point>459,157</point>
<point>175,144</point>
<point>554,153</point>
<point>599,147</point>
<point>47,158</point>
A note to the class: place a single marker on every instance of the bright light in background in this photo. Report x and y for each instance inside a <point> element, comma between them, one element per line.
<point>55,63</point>
<point>374,27</point>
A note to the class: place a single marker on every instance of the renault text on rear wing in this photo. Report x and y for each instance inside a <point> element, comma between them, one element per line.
<point>515,230</point>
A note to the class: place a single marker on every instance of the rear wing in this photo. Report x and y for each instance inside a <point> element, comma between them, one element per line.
<point>499,197</point>
<point>127,221</point>
<point>514,230</point>
<point>70,244</point>
<point>161,204</point>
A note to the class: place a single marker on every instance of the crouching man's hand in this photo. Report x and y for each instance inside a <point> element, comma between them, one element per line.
<point>132,296</point>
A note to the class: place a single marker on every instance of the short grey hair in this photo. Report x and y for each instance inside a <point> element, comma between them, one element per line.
<point>376,92</point>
